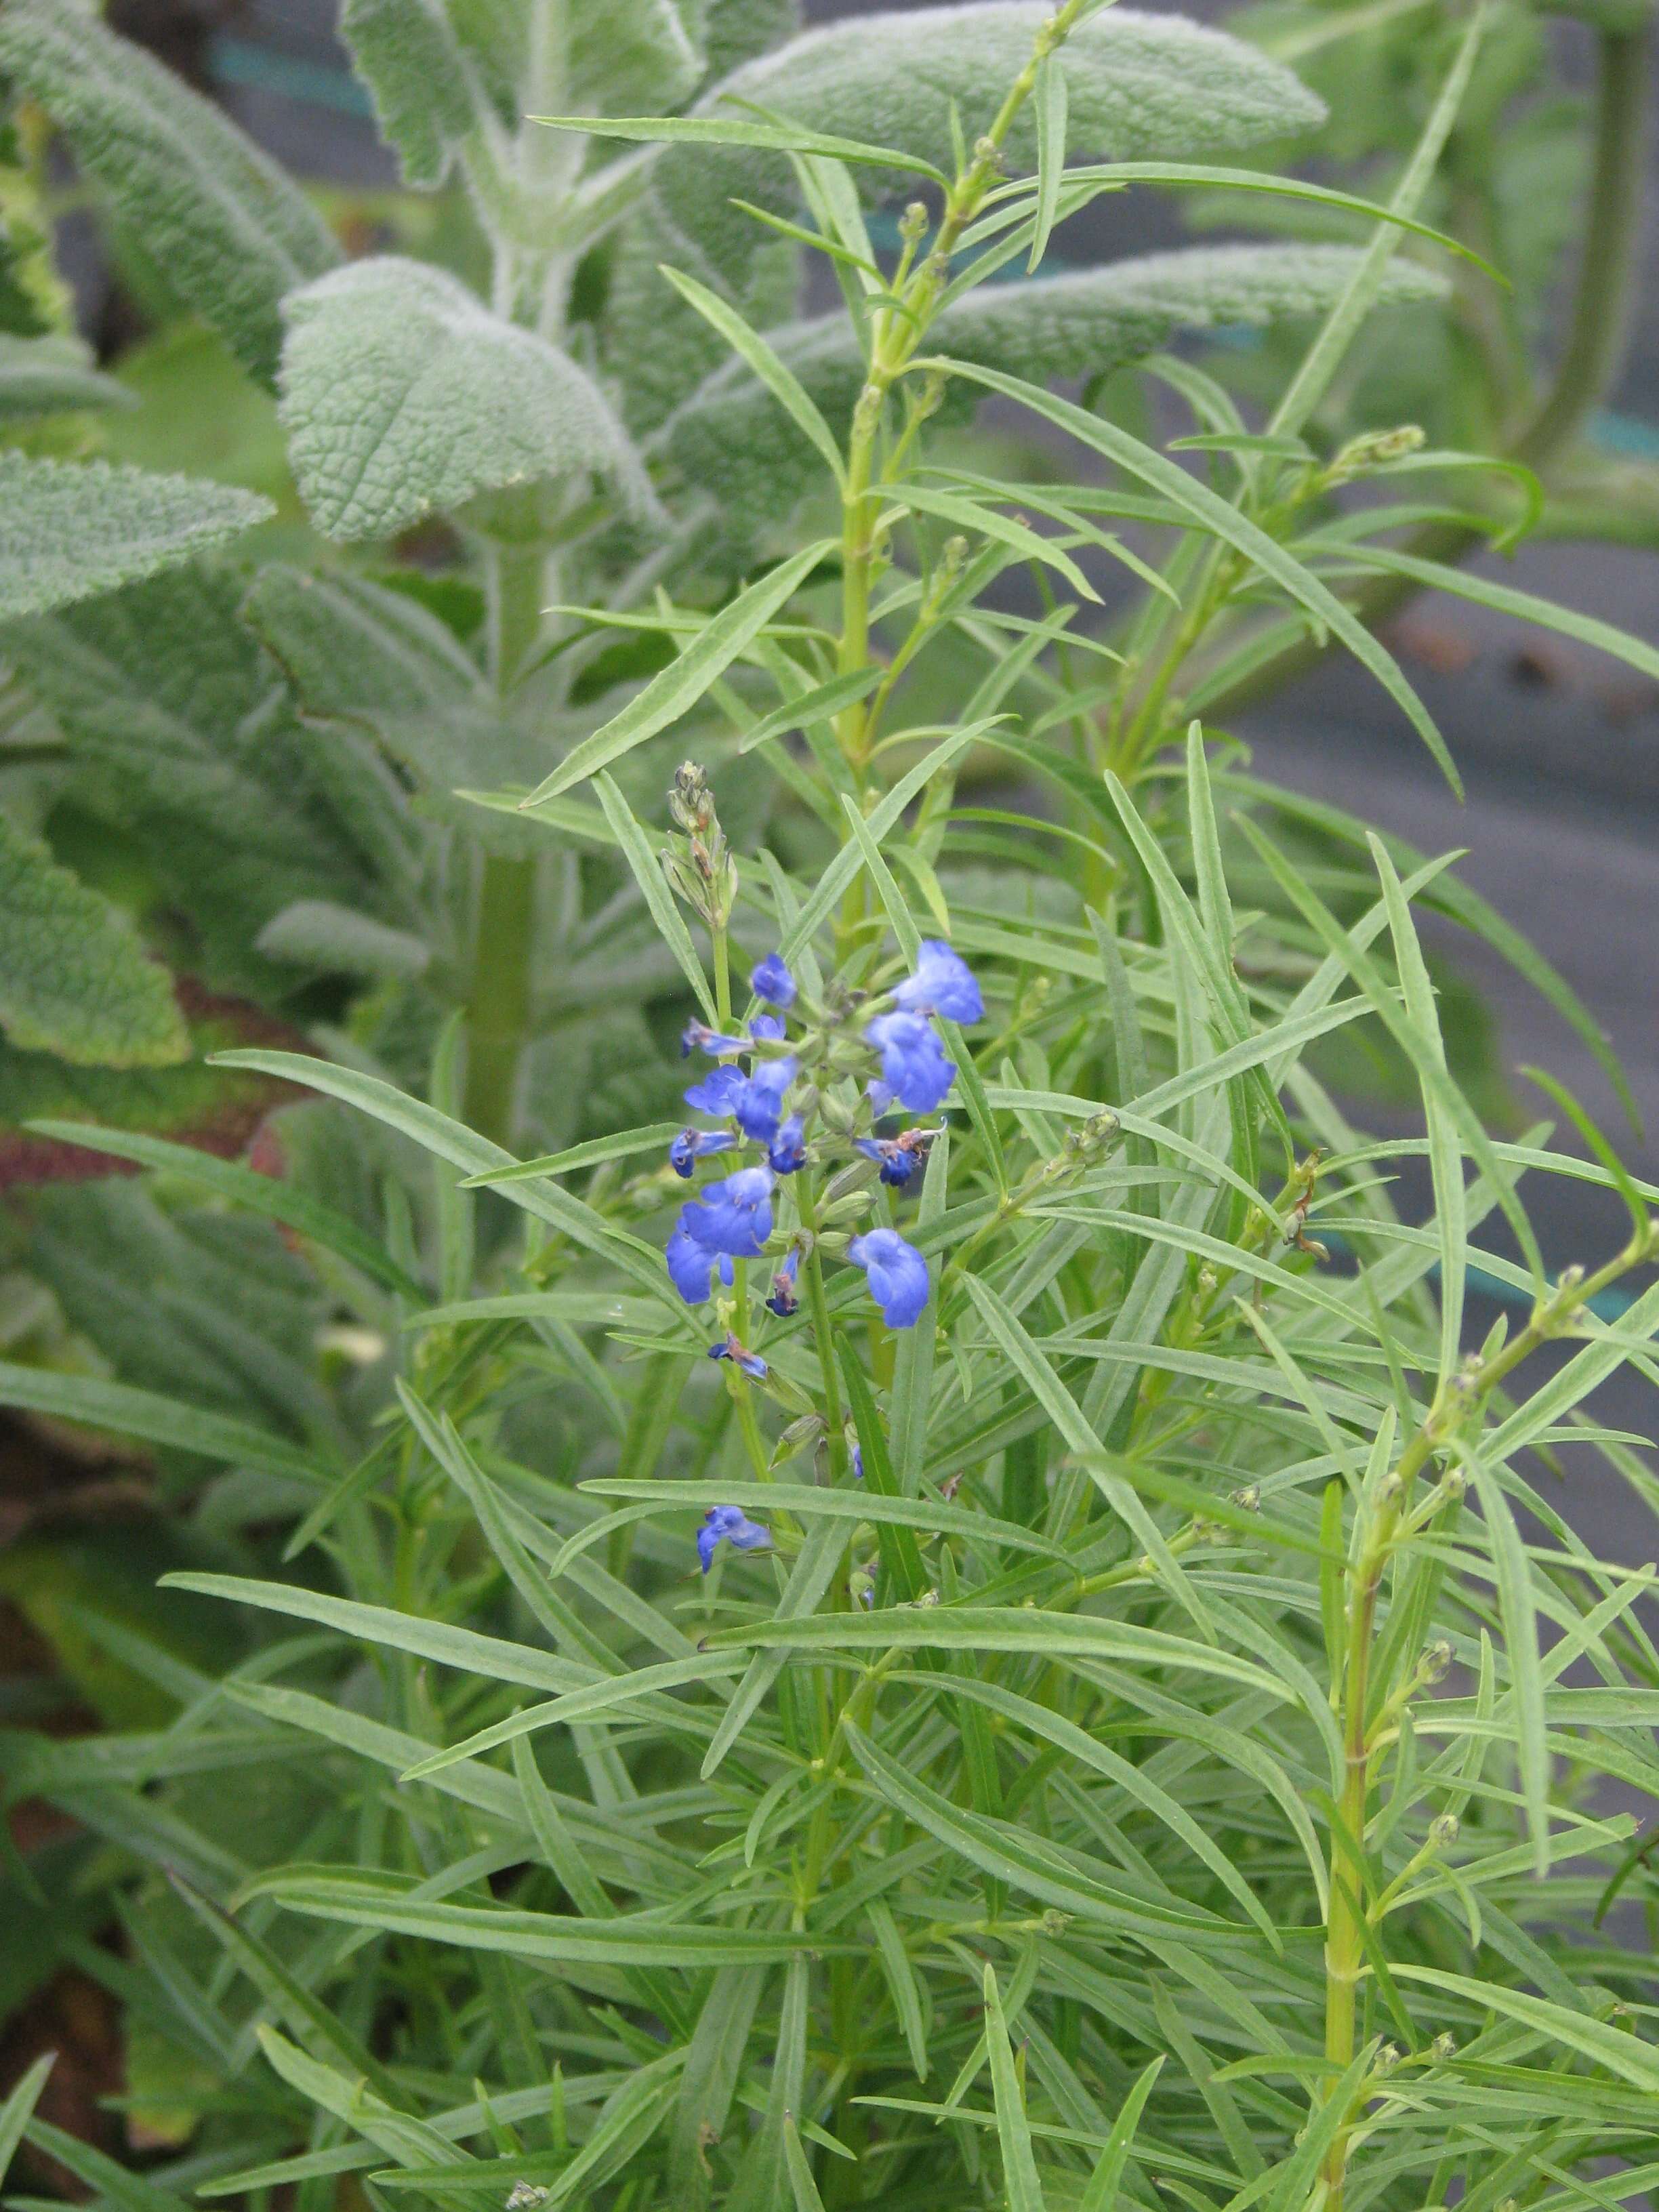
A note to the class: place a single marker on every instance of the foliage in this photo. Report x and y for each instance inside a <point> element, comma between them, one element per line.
<point>1004,1645</point>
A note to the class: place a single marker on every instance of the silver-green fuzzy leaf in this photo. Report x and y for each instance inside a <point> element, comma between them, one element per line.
<point>74,979</point>
<point>402,394</point>
<point>1137,86</point>
<point>68,531</point>
<point>418,77</point>
<point>182,731</point>
<point>44,376</point>
<point>731,435</point>
<point>223,228</point>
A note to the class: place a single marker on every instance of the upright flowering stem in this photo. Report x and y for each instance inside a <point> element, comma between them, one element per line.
<point>897,338</point>
<point>1455,1403</point>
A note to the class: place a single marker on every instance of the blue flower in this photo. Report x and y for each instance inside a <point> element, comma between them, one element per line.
<point>692,1145</point>
<point>783,1301</point>
<point>740,1356</point>
<point>733,1217</point>
<point>717,1094</point>
<point>699,1037</point>
<point>913,1063</point>
<point>943,984</point>
<point>898,1160</point>
<point>787,1152</point>
<point>897,1275</point>
<point>772,982</point>
<point>758,1107</point>
<point>767,1028</point>
<point>728,1524</point>
<point>691,1265</point>
<point>858,1464</point>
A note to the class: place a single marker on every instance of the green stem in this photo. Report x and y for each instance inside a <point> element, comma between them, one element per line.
<point>1454,1404</point>
<point>896,339</point>
<point>498,1002</point>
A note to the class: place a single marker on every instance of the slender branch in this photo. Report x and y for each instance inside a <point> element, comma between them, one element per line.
<point>1591,358</point>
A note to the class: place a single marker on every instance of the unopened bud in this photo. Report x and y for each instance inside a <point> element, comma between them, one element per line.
<point>1444,1831</point>
<point>1373,449</point>
<point>1443,2047</point>
<point>524,2193</point>
<point>805,1429</point>
<point>691,802</point>
<point>912,223</point>
<point>854,1178</point>
<point>1389,2058</point>
<point>1436,1659</point>
<point>1055,1923</point>
<point>1249,1500</point>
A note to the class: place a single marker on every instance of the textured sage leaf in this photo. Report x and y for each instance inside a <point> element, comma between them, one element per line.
<point>420,77</point>
<point>1137,86</point>
<point>402,393</point>
<point>729,436</point>
<point>184,735</point>
<point>46,375</point>
<point>74,979</point>
<point>224,229</point>
<point>318,934</point>
<point>71,530</point>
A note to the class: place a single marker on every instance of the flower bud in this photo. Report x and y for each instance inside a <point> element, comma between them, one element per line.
<point>1373,449</point>
<point>1387,2058</point>
<point>691,802</point>
<point>1443,2047</point>
<point>1436,1659</point>
<point>525,2194</point>
<point>912,223</point>
<point>1444,1831</point>
<point>857,1176</point>
<point>805,1429</point>
<point>1249,1500</point>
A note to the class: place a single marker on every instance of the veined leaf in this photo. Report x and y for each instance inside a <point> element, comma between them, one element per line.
<point>626,1939</point>
<point>18,2108</point>
<point>224,229</point>
<point>71,530</point>
<point>92,1403</point>
<point>1019,2173</point>
<point>401,394</point>
<point>678,689</point>
<point>778,378</point>
<point>74,978</point>
<point>1136,85</point>
<point>1213,512</point>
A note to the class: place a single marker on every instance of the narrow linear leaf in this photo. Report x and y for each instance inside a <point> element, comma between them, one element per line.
<point>684,682</point>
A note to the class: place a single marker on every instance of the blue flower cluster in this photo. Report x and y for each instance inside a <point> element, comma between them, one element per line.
<point>732,1220</point>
